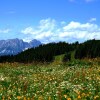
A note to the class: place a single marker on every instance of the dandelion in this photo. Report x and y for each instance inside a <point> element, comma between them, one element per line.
<point>79,97</point>
<point>18,97</point>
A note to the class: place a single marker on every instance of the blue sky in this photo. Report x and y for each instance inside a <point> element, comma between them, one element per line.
<point>50,20</point>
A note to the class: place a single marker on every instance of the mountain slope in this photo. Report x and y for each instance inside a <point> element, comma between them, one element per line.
<point>14,46</point>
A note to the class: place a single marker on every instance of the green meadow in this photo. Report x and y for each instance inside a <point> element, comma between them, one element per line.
<point>74,80</point>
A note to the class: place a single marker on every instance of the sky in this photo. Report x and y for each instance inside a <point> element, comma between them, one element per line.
<point>50,20</point>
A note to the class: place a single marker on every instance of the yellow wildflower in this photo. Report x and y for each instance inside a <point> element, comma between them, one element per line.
<point>49,98</point>
<point>28,98</point>
<point>79,97</point>
<point>68,98</point>
<point>78,92</point>
<point>65,96</point>
<point>18,97</point>
<point>24,98</point>
<point>95,97</point>
<point>3,97</point>
<point>40,98</point>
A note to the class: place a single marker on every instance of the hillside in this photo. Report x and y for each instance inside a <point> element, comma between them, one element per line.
<point>47,52</point>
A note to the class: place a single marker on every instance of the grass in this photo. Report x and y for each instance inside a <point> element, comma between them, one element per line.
<point>58,59</point>
<point>54,81</point>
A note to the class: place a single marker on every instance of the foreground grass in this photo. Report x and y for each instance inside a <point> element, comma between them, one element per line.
<point>49,82</point>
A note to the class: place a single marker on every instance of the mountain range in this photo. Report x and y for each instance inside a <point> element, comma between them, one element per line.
<point>15,46</point>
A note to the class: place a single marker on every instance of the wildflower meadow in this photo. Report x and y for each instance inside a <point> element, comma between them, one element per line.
<point>54,81</point>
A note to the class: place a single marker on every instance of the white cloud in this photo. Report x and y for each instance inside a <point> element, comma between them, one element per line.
<point>42,32</point>
<point>49,31</point>
<point>28,30</point>
<point>78,31</point>
<point>47,24</point>
<point>5,30</point>
<point>72,26</point>
<point>92,19</point>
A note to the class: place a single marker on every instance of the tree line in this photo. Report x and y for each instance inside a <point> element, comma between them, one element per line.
<point>43,53</point>
<point>88,49</point>
<point>46,52</point>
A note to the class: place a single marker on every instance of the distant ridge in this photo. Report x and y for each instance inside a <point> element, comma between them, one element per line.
<point>15,46</point>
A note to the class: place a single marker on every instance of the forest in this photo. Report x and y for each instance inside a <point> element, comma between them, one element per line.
<point>47,52</point>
